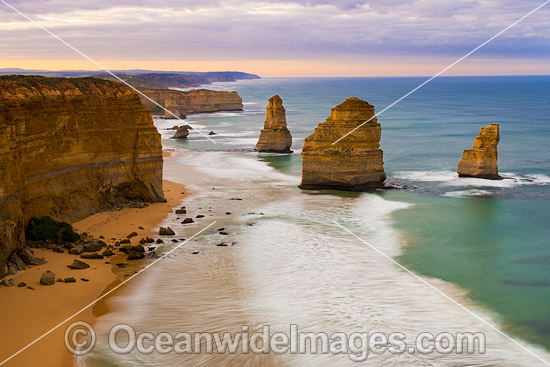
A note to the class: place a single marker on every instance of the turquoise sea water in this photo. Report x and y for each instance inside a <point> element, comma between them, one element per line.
<point>490,238</point>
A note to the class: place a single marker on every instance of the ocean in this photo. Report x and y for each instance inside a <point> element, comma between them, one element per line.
<point>483,243</point>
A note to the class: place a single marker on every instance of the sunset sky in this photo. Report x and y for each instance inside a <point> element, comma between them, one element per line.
<point>280,38</point>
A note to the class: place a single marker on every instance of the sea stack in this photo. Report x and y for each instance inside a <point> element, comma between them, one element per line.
<point>481,161</point>
<point>356,162</point>
<point>181,132</point>
<point>275,137</point>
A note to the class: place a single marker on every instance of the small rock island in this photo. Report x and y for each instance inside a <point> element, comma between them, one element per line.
<point>356,162</point>
<point>275,137</point>
<point>481,161</point>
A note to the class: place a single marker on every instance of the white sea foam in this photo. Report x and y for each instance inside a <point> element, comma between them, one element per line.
<point>468,193</point>
<point>294,266</point>
<point>450,178</point>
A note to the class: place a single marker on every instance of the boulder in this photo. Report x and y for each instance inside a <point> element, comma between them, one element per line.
<point>481,161</point>
<point>27,255</point>
<point>187,220</point>
<point>48,278</point>
<point>166,231</point>
<point>77,250</point>
<point>77,264</point>
<point>108,252</point>
<point>133,234</point>
<point>7,282</point>
<point>275,136</point>
<point>93,255</point>
<point>355,163</point>
<point>16,262</point>
<point>69,280</point>
<point>126,248</point>
<point>92,247</point>
<point>135,256</point>
<point>181,133</point>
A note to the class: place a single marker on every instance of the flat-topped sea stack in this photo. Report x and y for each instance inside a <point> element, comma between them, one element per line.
<point>481,161</point>
<point>356,162</point>
<point>70,148</point>
<point>275,136</point>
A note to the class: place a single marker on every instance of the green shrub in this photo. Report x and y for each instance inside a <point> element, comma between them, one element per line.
<point>46,228</point>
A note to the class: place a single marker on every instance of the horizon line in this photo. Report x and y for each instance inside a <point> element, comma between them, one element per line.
<point>15,69</point>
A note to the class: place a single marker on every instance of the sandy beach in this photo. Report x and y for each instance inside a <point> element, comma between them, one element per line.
<point>26,314</point>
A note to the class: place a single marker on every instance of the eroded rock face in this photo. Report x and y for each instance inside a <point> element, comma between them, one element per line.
<point>181,133</point>
<point>69,148</point>
<point>275,136</point>
<point>481,161</point>
<point>354,163</point>
<point>182,104</point>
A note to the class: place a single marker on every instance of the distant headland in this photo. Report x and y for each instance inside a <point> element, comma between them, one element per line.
<point>140,78</point>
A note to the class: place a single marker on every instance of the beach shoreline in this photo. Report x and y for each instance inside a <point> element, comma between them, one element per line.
<point>27,314</point>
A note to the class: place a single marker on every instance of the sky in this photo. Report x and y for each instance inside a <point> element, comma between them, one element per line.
<point>279,38</point>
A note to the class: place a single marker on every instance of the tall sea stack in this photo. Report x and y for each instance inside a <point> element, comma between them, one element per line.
<point>481,161</point>
<point>354,163</point>
<point>70,148</point>
<point>275,136</point>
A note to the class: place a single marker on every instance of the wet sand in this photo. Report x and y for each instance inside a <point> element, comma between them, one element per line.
<point>26,314</point>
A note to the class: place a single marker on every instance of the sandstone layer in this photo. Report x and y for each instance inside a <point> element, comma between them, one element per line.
<point>482,160</point>
<point>182,104</point>
<point>354,163</point>
<point>181,133</point>
<point>69,148</point>
<point>275,136</point>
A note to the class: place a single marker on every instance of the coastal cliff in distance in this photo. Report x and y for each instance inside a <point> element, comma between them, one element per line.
<point>70,148</point>
<point>275,136</point>
<point>182,104</point>
<point>354,163</point>
<point>482,160</point>
<point>145,78</point>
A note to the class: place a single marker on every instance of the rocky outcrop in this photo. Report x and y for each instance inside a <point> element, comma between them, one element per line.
<point>181,133</point>
<point>481,161</point>
<point>69,148</point>
<point>275,136</point>
<point>354,163</point>
<point>194,101</point>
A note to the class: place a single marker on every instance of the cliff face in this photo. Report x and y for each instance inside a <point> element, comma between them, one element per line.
<point>275,136</point>
<point>174,80</point>
<point>481,161</point>
<point>194,101</point>
<point>69,148</point>
<point>355,163</point>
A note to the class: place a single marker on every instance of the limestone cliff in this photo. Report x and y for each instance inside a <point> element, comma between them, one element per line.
<point>354,163</point>
<point>481,161</point>
<point>69,148</point>
<point>182,104</point>
<point>275,136</point>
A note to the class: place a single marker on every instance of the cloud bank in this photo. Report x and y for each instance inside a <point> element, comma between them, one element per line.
<point>274,30</point>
